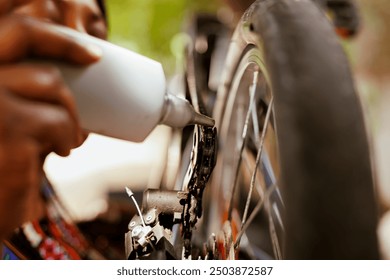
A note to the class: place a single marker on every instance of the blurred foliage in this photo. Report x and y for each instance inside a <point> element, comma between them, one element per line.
<point>148,26</point>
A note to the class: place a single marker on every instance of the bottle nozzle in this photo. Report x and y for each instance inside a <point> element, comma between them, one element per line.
<point>179,113</point>
<point>202,120</point>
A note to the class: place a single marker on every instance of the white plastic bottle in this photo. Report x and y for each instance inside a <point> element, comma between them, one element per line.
<point>124,95</point>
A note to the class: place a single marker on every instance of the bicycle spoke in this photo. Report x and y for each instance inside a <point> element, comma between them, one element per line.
<point>239,120</point>
<point>255,211</point>
<point>258,158</point>
<point>252,91</point>
<point>253,178</point>
<point>255,123</point>
<point>250,162</point>
<point>254,252</point>
<point>275,208</point>
<point>274,237</point>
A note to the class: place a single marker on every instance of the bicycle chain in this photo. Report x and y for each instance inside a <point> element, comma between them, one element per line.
<point>203,160</point>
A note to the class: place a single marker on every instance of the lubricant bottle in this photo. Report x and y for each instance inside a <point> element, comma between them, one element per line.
<point>124,94</point>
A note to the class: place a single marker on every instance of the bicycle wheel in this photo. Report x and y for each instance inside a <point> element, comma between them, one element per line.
<point>294,156</point>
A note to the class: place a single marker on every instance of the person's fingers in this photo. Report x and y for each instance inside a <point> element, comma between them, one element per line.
<point>23,36</point>
<point>51,126</point>
<point>38,82</point>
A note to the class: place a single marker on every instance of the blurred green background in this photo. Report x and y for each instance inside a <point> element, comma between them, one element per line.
<point>149,27</point>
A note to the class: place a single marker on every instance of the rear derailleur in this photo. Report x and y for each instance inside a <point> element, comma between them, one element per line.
<point>163,229</point>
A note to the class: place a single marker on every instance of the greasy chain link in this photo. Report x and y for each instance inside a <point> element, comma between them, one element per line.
<point>203,162</point>
<point>203,159</point>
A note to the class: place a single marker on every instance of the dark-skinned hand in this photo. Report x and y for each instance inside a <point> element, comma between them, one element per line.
<point>37,111</point>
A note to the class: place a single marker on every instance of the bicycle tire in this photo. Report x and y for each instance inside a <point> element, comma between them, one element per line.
<point>326,177</point>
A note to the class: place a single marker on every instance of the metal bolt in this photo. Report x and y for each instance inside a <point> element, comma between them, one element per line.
<point>133,223</point>
<point>136,231</point>
<point>149,218</point>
